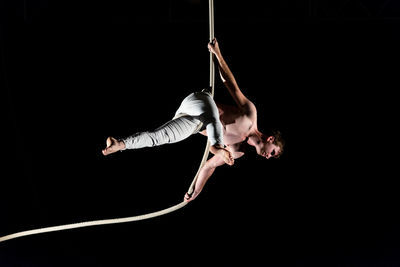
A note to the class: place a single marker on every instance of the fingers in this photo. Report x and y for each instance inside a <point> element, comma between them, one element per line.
<point>187,197</point>
<point>226,156</point>
<point>230,157</point>
<point>229,160</point>
<point>211,45</point>
<point>107,151</point>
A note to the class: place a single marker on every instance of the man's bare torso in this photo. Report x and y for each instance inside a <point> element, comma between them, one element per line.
<point>237,127</point>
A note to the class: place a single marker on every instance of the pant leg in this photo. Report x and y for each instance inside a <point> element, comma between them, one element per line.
<point>173,131</point>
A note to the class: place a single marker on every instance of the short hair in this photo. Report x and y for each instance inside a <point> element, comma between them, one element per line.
<point>278,141</point>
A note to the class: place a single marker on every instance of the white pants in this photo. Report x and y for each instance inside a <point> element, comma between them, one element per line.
<point>198,111</point>
<point>171,132</point>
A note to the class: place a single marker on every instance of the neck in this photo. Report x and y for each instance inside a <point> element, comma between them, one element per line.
<point>254,137</point>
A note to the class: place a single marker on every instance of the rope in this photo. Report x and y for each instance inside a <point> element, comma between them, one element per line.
<point>93,223</point>
<point>212,85</point>
<point>145,216</point>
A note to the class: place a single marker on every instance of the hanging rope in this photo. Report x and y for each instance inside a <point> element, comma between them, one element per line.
<point>145,216</point>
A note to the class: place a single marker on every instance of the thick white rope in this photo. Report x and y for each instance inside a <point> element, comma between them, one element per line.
<point>145,216</point>
<point>93,223</point>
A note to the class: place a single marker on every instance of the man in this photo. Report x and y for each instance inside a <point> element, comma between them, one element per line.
<point>229,128</point>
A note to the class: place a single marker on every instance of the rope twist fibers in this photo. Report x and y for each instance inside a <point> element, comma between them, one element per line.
<point>145,216</point>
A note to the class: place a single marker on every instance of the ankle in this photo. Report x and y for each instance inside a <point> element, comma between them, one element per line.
<point>121,145</point>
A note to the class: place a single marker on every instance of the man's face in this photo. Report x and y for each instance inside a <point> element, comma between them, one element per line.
<point>268,149</point>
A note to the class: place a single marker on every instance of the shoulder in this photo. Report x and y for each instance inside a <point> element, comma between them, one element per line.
<point>249,110</point>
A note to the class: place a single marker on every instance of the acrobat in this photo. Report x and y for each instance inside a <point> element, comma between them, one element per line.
<point>228,128</point>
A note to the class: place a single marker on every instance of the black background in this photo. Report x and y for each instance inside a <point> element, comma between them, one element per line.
<point>323,72</point>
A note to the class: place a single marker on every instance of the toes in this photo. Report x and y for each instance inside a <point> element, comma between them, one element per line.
<point>107,151</point>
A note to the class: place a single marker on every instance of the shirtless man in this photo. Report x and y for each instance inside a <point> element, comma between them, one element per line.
<point>239,127</point>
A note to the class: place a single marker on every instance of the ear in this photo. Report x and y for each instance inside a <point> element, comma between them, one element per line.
<point>270,139</point>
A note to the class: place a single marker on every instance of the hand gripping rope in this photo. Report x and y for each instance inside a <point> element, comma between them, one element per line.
<point>144,216</point>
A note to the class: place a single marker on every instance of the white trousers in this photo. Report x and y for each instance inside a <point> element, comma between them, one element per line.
<point>197,111</point>
<point>171,132</point>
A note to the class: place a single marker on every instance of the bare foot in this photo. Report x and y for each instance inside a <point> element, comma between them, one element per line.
<point>113,145</point>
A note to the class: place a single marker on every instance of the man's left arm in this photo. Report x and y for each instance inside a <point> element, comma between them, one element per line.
<point>206,171</point>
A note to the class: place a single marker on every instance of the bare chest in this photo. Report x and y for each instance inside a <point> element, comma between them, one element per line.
<point>236,127</point>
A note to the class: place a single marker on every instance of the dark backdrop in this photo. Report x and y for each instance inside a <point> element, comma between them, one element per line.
<point>323,72</point>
